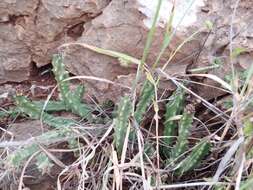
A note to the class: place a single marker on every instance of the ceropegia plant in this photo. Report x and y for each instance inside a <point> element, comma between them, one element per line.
<point>173,108</point>
<point>185,124</point>
<point>43,163</point>
<point>146,97</point>
<point>194,158</point>
<point>172,127</point>
<point>121,123</point>
<point>51,106</point>
<point>35,112</point>
<point>16,158</point>
<point>72,100</point>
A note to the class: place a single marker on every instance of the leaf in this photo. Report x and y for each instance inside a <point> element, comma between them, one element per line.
<point>216,79</point>
<point>247,185</point>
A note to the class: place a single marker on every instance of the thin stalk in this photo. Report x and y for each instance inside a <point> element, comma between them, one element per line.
<point>146,48</point>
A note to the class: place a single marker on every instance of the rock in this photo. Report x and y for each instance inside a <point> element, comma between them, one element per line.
<point>122,27</point>
<point>63,9</point>
<point>15,57</point>
<point>31,31</point>
<point>17,7</point>
<point>217,46</point>
<point>25,130</point>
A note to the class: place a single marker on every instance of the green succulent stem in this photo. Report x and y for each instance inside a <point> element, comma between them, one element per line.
<point>71,100</point>
<point>194,158</point>
<point>173,108</point>
<point>121,123</point>
<point>183,133</point>
<point>34,112</point>
<point>146,97</point>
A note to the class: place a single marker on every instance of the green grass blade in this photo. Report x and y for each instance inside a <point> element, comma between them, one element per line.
<point>147,45</point>
<point>167,37</point>
<point>151,33</point>
<point>247,81</point>
<point>124,59</point>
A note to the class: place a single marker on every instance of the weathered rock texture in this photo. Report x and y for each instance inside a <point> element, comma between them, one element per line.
<point>32,30</point>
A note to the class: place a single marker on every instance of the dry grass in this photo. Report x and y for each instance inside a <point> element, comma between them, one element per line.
<point>96,163</point>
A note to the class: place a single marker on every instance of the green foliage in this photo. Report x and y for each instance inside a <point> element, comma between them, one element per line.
<point>209,24</point>
<point>3,114</point>
<point>217,61</point>
<point>11,112</point>
<point>34,112</point>
<point>16,158</point>
<point>173,108</point>
<point>71,100</point>
<point>60,75</point>
<point>238,51</point>
<point>171,127</point>
<point>121,123</point>
<point>51,106</point>
<point>194,158</point>
<point>74,144</point>
<point>107,104</point>
<point>146,97</point>
<point>241,74</point>
<point>248,128</point>
<point>183,133</point>
<point>219,187</point>
<point>79,92</point>
<point>43,163</point>
<point>149,149</point>
<point>248,184</point>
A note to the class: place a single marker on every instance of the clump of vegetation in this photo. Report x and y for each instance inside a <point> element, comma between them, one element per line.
<point>149,141</point>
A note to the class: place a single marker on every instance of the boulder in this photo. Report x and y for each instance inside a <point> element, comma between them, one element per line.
<point>32,30</point>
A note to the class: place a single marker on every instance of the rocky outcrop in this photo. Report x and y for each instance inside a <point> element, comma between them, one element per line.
<point>32,30</point>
